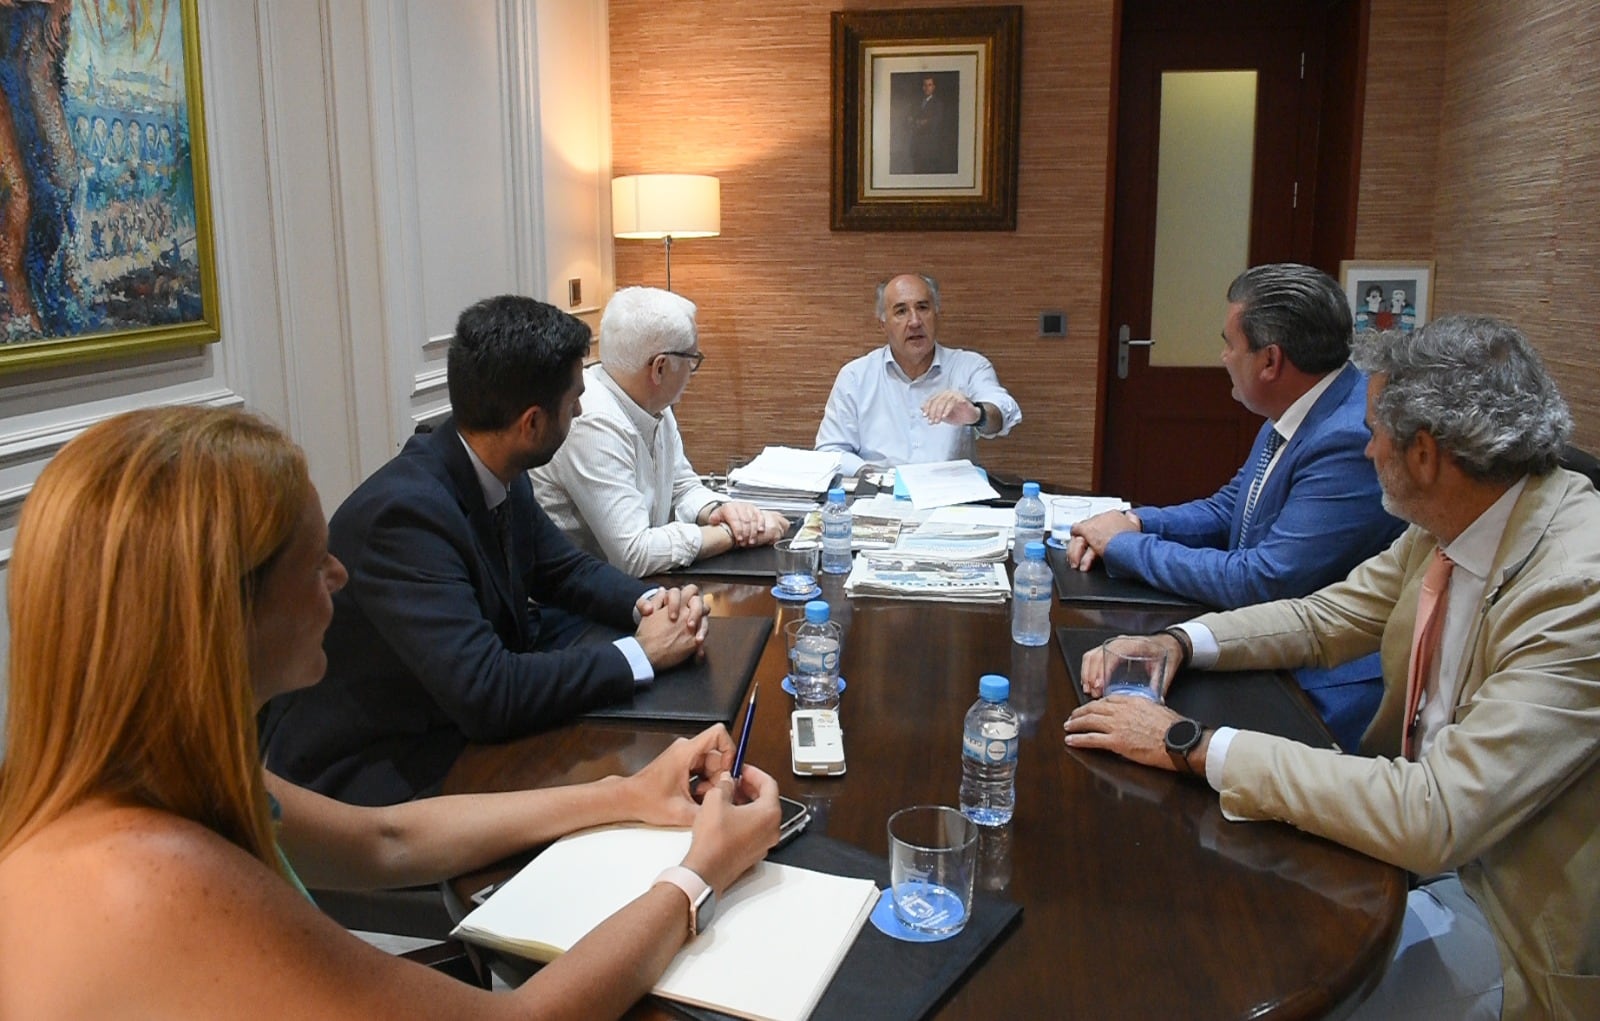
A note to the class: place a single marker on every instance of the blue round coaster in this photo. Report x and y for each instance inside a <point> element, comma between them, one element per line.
<point>796,597</point>
<point>1057,543</point>
<point>887,922</point>
<point>788,684</point>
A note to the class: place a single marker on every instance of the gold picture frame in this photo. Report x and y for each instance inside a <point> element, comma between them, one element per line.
<point>119,256</point>
<point>926,115</point>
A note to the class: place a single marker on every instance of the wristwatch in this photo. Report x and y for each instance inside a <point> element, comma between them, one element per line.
<point>983,414</point>
<point>702,899</point>
<point>1184,737</point>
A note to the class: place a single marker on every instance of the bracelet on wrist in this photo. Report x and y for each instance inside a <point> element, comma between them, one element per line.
<point>1185,646</point>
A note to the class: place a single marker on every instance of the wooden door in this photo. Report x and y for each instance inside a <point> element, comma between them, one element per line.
<point>1175,433</point>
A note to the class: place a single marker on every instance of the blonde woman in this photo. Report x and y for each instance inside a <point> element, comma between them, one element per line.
<point>170,574</point>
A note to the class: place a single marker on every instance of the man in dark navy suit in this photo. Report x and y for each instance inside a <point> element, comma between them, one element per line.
<point>1303,509</point>
<point>463,596</point>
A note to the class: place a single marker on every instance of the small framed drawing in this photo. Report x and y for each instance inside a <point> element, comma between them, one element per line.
<point>1387,295</point>
<point>925,118</point>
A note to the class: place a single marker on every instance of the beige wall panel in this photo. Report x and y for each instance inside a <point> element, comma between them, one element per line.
<point>741,89</point>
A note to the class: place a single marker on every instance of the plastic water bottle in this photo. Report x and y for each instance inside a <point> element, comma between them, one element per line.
<point>1030,521</point>
<point>1030,598</point>
<point>836,533</point>
<point>989,755</point>
<point>816,660</point>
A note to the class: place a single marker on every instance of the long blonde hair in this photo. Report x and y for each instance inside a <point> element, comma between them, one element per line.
<point>131,586</point>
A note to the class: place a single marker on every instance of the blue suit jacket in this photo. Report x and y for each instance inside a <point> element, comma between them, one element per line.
<point>433,641</point>
<point>1319,514</point>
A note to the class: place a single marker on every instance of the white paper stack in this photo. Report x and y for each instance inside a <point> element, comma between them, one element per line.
<point>785,479</point>
<point>942,483</point>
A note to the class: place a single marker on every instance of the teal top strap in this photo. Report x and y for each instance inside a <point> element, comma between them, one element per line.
<point>283,859</point>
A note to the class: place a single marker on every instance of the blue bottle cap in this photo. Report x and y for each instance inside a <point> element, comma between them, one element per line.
<point>994,688</point>
<point>1030,489</point>
<point>817,611</point>
<point>836,495</point>
<point>1033,551</point>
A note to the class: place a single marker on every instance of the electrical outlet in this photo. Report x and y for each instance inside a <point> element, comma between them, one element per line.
<point>1052,324</point>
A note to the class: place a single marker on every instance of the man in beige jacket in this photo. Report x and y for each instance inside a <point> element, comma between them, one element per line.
<point>1500,784</point>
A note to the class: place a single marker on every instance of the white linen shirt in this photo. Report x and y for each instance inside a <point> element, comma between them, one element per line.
<point>874,413</point>
<point>620,486</point>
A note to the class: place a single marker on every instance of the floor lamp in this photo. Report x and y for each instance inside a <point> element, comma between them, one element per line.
<point>666,206</point>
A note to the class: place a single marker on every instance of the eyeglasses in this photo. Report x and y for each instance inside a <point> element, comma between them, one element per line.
<point>695,358</point>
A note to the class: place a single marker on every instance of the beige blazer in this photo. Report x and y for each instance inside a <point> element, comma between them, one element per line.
<point>1508,792</point>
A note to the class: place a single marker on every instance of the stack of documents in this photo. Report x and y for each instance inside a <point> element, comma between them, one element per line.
<point>780,932</point>
<point>937,541</point>
<point>898,576</point>
<point>942,483</point>
<point>785,479</point>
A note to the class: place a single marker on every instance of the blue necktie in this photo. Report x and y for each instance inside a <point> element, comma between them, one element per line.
<point>1274,441</point>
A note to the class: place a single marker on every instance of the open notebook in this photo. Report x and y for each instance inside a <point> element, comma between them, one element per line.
<point>778,937</point>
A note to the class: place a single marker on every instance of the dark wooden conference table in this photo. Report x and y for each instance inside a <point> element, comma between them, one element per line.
<point>1138,899</point>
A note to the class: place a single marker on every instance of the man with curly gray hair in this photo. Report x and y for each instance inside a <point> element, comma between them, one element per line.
<point>1479,773</point>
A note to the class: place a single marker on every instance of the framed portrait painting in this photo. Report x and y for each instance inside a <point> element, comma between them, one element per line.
<point>1387,294</point>
<point>925,118</point>
<point>105,213</point>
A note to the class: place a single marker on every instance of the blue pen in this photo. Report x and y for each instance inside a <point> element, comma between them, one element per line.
<point>744,735</point>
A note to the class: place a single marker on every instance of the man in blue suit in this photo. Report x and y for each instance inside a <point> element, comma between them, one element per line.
<point>1303,509</point>
<point>463,595</point>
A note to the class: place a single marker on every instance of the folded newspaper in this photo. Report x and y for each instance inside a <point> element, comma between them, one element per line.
<point>865,532</point>
<point>897,575</point>
<point>952,542</point>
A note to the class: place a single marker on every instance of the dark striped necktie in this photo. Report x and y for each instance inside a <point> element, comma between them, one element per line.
<point>1274,441</point>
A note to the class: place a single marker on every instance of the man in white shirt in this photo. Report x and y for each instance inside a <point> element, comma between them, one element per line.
<point>1483,756</point>
<point>913,400</point>
<point>621,487</point>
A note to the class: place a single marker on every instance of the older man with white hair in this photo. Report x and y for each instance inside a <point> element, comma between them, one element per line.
<point>621,486</point>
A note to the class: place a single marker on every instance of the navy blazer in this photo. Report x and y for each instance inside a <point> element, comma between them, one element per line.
<point>1319,514</point>
<point>434,641</point>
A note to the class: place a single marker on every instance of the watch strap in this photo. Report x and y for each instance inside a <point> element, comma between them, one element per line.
<point>1179,751</point>
<point>693,887</point>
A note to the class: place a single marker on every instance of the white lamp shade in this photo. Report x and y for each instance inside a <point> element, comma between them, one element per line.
<point>655,206</point>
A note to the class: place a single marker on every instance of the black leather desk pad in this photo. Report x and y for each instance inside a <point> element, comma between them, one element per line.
<point>751,562</point>
<point>1095,586</point>
<point>1246,699</point>
<point>882,978</point>
<point>708,691</point>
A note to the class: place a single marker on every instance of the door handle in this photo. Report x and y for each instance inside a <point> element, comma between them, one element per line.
<point>1123,343</point>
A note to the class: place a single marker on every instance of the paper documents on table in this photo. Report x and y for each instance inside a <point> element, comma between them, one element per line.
<point>931,541</point>
<point>898,576</point>
<point>866,532</point>
<point>778,937</point>
<point>942,483</point>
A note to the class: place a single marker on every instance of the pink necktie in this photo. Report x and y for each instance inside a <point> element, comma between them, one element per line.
<point>1425,641</point>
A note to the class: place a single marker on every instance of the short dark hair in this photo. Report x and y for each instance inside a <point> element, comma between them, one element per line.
<point>510,353</point>
<point>1299,308</point>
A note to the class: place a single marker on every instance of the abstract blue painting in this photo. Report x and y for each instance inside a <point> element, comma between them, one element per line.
<point>105,238</point>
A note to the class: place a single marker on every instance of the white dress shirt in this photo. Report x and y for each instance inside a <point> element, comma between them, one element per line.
<point>1294,416</point>
<point>620,486</point>
<point>874,413</point>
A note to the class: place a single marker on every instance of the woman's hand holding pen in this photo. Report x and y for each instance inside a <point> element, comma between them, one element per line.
<point>667,792</point>
<point>736,827</point>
